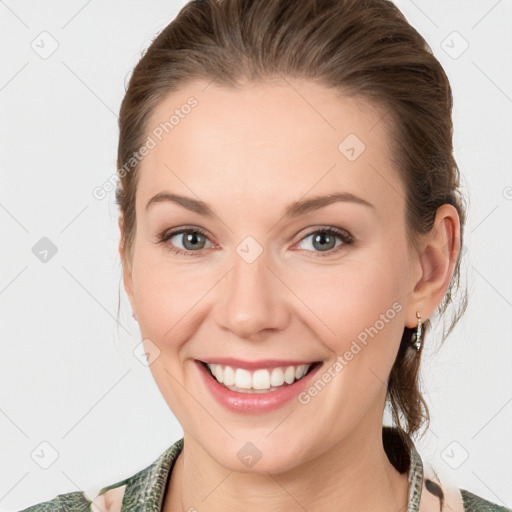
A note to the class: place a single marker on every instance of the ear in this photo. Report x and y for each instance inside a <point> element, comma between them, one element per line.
<point>127,271</point>
<point>437,258</point>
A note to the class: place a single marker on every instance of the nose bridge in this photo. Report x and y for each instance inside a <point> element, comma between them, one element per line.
<point>253,300</point>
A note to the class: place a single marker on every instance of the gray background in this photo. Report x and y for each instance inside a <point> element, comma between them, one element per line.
<point>68,373</point>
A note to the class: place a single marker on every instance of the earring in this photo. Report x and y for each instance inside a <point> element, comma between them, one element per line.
<point>416,336</point>
<point>134,317</point>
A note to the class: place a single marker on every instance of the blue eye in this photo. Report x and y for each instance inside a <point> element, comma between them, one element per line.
<point>189,237</point>
<point>325,237</point>
<point>194,240</point>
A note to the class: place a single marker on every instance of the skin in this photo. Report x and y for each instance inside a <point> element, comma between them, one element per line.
<point>249,153</point>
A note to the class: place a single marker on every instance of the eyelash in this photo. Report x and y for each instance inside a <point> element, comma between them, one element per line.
<point>345,236</point>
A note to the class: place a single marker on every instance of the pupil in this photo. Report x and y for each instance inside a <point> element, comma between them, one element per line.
<point>322,237</point>
<point>192,238</point>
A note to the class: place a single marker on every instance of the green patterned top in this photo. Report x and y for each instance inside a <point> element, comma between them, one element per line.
<point>145,490</point>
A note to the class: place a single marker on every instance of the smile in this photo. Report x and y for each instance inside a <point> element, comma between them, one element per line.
<point>259,380</point>
<point>259,387</point>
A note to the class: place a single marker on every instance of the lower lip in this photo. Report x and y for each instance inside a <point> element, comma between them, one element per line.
<point>254,403</point>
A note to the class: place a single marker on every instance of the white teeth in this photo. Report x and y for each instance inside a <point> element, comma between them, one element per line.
<point>277,377</point>
<point>229,375</point>
<point>289,375</point>
<point>219,374</point>
<point>242,378</point>
<point>300,371</point>
<point>261,379</point>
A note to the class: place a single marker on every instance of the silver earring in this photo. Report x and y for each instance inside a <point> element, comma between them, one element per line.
<point>416,336</point>
<point>134,317</point>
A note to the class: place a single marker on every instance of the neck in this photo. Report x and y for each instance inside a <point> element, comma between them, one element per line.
<point>353,475</point>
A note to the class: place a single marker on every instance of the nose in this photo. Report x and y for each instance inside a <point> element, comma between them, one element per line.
<point>253,299</point>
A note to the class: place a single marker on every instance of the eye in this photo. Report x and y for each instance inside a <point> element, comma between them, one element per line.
<point>192,239</point>
<point>324,241</point>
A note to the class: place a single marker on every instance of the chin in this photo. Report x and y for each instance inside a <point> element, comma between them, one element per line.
<point>256,455</point>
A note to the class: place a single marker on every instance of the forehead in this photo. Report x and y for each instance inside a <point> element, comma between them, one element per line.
<point>270,143</point>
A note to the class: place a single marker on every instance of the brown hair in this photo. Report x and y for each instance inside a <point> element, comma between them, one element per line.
<point>364,48</point>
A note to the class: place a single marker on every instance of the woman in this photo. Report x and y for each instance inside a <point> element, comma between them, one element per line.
<point>290,222</point>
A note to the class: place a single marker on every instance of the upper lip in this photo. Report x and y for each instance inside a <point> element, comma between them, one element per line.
<point>251,365</point>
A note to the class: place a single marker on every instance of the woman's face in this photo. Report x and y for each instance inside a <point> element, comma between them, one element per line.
<point>259,283</point>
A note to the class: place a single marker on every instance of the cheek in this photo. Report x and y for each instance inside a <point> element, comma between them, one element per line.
<point>168,303</point>
<point>165,300</point>
<point>361,323</point>
<point>360,301</point>
<point>363,307</point>
<point>171,298</point>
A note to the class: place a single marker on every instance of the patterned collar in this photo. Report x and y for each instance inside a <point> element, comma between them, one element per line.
<point>146,489</point>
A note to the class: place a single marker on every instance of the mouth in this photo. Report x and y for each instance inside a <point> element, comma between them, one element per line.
<point>263,379</point>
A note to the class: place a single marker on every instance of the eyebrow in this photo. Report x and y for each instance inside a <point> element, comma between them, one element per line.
<point>294,210</point>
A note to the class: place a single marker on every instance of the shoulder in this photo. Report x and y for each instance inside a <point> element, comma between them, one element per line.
<point>147,484</point>
<point>439,484</point>
<point>474,503</point>
<point>72,502</point>
<point>109,499</point>
<point>457,499</point>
